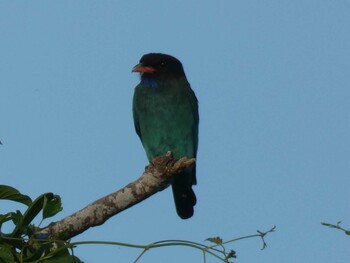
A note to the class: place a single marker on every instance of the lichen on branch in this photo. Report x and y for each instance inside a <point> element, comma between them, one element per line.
<point>156,177</point>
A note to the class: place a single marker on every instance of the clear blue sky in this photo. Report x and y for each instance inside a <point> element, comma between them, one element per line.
<point>273,83</point>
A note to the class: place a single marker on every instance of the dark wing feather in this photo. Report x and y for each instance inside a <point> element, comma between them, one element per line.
<point>136,116</point>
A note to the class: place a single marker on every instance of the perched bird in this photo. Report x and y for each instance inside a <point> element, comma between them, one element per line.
<point>165,111</point>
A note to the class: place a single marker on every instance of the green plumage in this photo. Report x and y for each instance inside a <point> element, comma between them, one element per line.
<point>165,112</point>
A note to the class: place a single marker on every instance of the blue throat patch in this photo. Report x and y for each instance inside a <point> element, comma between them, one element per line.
<point>149,82</point>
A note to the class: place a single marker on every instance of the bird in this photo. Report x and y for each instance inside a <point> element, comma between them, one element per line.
<point>165,112</point>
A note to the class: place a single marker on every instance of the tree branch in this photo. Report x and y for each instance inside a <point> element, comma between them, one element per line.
<point>157,177</point>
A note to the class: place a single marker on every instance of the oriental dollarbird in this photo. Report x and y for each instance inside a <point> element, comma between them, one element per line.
<point>165,111</point>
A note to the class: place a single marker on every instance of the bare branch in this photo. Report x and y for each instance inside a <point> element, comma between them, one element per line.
<point>156,177</point>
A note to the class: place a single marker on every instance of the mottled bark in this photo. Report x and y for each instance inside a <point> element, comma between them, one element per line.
<point>156,177</point>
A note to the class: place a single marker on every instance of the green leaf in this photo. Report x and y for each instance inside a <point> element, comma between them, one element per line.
<point>231,254</point>
<point>59,253</point>
<point>52,207</point>
<point>10,193</point>
<point>216,240</point>
<point>4,218</point>
<point>35,254</point>
<point>15,217</point>
<point>35,208</point>
<point>6,255</point>
<point>62,259</point>
<point>32,211</point>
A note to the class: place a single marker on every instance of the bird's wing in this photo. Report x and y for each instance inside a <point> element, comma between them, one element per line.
<point>136,117</point>
<point>194,103</point>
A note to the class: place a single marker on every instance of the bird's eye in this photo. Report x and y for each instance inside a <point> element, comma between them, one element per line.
<point>162,64</point>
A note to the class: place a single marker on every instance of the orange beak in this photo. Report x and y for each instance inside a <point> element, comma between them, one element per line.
<point>142,69</point>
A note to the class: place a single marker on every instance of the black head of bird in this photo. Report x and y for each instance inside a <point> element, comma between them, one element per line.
<point>157,65</point>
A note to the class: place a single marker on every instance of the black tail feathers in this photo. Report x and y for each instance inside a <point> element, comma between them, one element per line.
<point>184,197</point>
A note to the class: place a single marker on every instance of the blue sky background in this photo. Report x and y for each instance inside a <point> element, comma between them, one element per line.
<point>273,83</point>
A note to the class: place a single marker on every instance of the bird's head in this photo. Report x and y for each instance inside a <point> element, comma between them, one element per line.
<point>157,65</point>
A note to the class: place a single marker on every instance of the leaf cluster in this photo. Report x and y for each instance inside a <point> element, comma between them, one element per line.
<point>21,244</point>
<point>26,243</point>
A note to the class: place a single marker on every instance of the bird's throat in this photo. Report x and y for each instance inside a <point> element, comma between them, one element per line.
<point>150,82</point>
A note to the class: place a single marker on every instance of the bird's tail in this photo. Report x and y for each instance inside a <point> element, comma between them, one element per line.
<point>184,197</point>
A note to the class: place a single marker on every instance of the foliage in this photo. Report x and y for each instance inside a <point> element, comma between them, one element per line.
<point>21,245</point>
<point>218,249</point>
